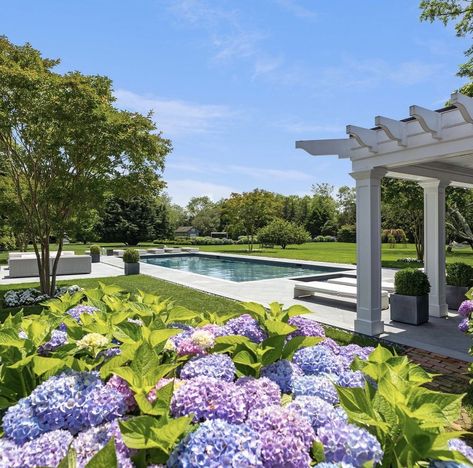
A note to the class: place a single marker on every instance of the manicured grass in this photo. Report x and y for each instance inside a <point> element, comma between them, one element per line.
<point>337,252</point>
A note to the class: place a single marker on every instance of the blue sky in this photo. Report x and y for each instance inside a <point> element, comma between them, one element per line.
<point>234,83</point>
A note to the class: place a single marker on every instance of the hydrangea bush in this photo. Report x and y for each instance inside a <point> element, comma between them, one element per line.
<point>106,379</point>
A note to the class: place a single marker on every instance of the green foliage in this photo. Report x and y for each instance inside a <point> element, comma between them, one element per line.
<point>323,209</point>
<point>408,419</point>
<point>347,234</point>
<point>281,232</point>
<point>411,282</point>
<point>131,256</point>
<point>459,274</point>
<point>95,249</point>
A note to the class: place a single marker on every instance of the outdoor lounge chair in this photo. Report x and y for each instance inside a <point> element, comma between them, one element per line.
<point>339,291</point>
<point>21,267</point>
<point>190,249</point>
<point>347,281</point>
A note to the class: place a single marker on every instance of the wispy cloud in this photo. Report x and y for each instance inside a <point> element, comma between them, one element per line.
<point>182,190</point>
<point>176,117</point>
<point>297,9</point>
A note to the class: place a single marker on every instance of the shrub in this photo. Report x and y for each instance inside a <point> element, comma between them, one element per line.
<point>347,233</point>
<point>131,256</point>
<point>281,232</point>
<point>459,274</point>
<point>411,282</point>
<point>330,239</point>
<point>206,240</point>
<point>95,250</point>
<point>393,236</point>
<point>319,239</point>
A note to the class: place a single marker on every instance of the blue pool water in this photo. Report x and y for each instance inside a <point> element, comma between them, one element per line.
<point>234,269</point>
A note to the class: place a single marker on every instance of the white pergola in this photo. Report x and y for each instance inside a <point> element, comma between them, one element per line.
<point>433,148</point>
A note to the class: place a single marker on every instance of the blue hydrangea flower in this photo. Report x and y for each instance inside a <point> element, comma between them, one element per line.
<point>216,444</point>
<point>460,446</point>
<point>210,398</point>
<point>348,443</point>
<point>334,465</point>
<point>88,443</point>
<point>331,344</point>
<point>72,400</point>
<point>259,393</point>
<point>282,373</point>
<point>316,360</point>
<point>282,421</point>
<point>58,338</point>
<point>351,379</point>
<point>8,453</point>
<point>316,410</point>
<point>315,385</point>
<point>219,366</point>
<point>246,325</point>
<point>353,350</point>
<point>78,310</point>
<point>305,327</point>
<point>281,451</point>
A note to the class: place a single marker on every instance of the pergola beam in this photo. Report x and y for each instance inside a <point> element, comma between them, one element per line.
<point>464,105</point>
<point>364,136</point>
<point>339,146</point>
<point>394,129</point>
<point>429,120</point>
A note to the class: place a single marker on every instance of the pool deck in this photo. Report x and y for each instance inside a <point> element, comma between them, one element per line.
<point>439,336</point>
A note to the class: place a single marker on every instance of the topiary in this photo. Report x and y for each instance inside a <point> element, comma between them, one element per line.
<point>95,249</point>
<point>411,282</point>
<point>459,274</point>
<point>131,256</point>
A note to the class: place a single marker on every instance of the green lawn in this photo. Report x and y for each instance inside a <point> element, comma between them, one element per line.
<point>337,252</point>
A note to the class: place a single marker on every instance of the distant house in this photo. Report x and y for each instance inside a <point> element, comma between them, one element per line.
<point>186,231</point>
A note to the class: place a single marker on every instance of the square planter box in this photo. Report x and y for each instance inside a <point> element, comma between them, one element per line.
<point>455,296</point>
<point>132,268</point>
<point>413,310</point>
<point>95,258</point>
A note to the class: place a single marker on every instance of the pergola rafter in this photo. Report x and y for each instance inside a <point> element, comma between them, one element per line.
<point>433,148</point>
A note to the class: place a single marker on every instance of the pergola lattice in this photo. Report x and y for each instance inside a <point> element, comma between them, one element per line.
<point>433,148</point>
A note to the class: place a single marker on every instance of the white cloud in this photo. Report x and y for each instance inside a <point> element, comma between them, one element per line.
<point>182,190</point>
<point>175,117</point>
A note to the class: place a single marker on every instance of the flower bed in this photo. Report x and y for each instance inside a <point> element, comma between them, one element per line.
<point>31,296</point>
<point>105,379</point>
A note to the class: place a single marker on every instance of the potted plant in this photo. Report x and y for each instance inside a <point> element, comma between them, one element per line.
<point>131,259</point>
<point>410,302</point>
<point>459,277</point>
<point>95,253</point>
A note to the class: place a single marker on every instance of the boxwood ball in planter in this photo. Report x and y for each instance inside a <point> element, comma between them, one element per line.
<point>459,276</point>
<point>95,253</point>
<point>131,258</point>
<point>410,303</point>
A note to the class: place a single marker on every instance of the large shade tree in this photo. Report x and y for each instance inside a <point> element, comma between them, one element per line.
<point>63,144</point>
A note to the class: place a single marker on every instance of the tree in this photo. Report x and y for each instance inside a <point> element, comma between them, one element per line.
<point>129,220</point>
<point>63,144</point>
<point>204,214</point>
<point>346,204</point>
<point>85,228</point>
<point>461,13</point>
<point>281,232</point>
<point>248,212</point>
<point>323,210</point>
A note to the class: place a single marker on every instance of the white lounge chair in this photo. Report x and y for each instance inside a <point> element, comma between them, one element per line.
<point>190,249</point>
<point>348,281</point>
<point>21,267</point>
<point>329,289</point>
<point>119,252</point>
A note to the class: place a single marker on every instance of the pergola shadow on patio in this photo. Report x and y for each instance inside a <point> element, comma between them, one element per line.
<point>433,148</point>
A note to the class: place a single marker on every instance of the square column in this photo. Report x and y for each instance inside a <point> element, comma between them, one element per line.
<point>368,251</point>
<point>434,244</point>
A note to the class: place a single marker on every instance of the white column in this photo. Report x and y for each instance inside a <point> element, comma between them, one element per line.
<point>434,244</point>
<point>368,250</point>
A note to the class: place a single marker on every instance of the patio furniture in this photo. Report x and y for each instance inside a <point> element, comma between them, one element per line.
<point>118,253</point>
<point>25,266</point>
<point>339,291</point>
<point>347,281</point>
<point>190,249</point>
<point>155,251</point>
<point>172,249</point>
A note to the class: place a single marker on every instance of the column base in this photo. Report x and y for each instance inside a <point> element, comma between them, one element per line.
<point>438,310</point>
<point>367,327</point>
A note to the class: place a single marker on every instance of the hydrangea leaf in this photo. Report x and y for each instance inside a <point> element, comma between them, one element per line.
<point>180,314</point>
<point>317,451</point>
<point>297,310</point>
<point>278,328</point>
<point>9,337</point>
<point>70,460</point>
<point>111,364</point>
<point>160,336</point>
<point>256,309</point>
<point>127,332</point>
<point>106,457</point>
<point>42,365</point>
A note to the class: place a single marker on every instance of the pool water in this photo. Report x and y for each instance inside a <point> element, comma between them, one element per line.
<point>233,269</point>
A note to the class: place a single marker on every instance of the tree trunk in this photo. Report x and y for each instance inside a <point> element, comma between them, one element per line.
<point>55,264</point>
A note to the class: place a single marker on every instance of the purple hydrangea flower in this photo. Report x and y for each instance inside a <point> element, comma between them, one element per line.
<point>348,443</point>
<point>259,393</point>
<point>282,422</point>
<point>88,443</point>
<point>334,465</point>
<point>122,387</point>
<point>72,400</point>
<point>466,308</point>
<point>351,379</point>
<point>353,350</point>
<point>317,411</point>
<point>216,444</point>
<point>315,385</point>
<point>464,325</point>
<point>8,453</point>
<point>46,450</point>
<point>282,372</point>
<point>331,344</point>
<point>216,330</point>
<point>283,451</point>
<point>77,311</point>
<point>152,395</point>
<point>58,338</point>
<point>305,327</point>
<point>246,325</point>
<point>210,398</point>
<point>219,366</point>
<point>316,360</point>
<point>462,447</point>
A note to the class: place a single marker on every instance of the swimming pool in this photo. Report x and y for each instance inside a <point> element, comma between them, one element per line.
<point>236,269</point>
